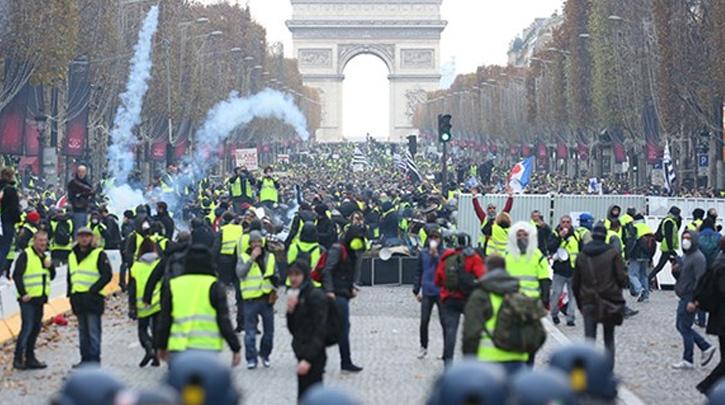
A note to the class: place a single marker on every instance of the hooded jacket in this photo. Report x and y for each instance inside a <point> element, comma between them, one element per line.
<point>341,271</point>
<point>308,322</point>
<point>599,273</point>
<point>537,265</point>
<point>692,267</point>
<point>478,308</point>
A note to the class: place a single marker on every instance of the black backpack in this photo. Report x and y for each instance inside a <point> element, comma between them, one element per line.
<point>457,278</point>
<point>647,245</point>
<point>62,233</point>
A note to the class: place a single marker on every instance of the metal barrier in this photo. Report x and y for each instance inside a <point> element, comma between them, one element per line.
<point>660,206</point>
<point>597,205</point>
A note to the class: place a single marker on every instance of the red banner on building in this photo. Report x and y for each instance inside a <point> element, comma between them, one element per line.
<point>583,151</point>
<point>79,90</point>
<point>562,152</point>
<point>12,124</point>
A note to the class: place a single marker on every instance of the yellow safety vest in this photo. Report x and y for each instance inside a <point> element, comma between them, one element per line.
<point>608,239</point>
<point>528,271</point>
<point>498,242</point>
<point>312,249</point>
<point>487,351</point>
<point>231,234</point>
<point>160,241</point>
<point>571,245</point>
<point>694,225</point>
<point>97,233</point>
<point>141,272</point>
<point>53,245</point>
<point>642,229</point>
<point>236,188</point>
<point>194,320</point>
<point>256,284</point>
<point>268,191</point>
<point>664,246</point>
<point>36,278</point>
<point>482,238</point>
<point>84,274</point>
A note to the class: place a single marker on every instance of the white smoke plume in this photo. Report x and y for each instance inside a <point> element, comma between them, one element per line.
<point>237,111</point>
<point>128,115</point>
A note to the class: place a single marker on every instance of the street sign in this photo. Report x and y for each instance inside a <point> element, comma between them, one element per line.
<point>703,160</point>
<point>247,158</point>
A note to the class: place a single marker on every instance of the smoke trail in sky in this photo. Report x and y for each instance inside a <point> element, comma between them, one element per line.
<point>234,112</point>
<point>128,115</point>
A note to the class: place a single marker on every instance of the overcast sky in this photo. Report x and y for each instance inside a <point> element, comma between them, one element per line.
<point>478,32</point>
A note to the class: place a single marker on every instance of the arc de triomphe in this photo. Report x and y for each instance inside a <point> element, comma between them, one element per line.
<point>405,34</point>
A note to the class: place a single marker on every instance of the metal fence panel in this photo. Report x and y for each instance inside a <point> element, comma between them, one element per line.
<point>597,205</point>
<point>521,211</point>
<point>659,206</point>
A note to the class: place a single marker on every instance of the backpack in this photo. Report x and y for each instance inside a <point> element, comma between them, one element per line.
<point>316,273</point>
<point>457,278</point>
<point>518,324</point>
<point>62,234</point>
<point>334,324</point>
<point>706,291</point>
<point>647,245</point>
<point>305,256</point>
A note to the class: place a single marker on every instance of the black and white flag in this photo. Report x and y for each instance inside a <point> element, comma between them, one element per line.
<point>668,170</point>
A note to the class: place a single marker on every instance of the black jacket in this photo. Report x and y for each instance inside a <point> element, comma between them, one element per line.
<point>91,301</point>
<point>326,232</point>
<point>20,265</point>
<point>10,203</point>
<point>168,224</point>
<point>218,298</point>
<point>80,192</point>
<point>716,319</point>
<point>203,235</point>
<point>308,322</point>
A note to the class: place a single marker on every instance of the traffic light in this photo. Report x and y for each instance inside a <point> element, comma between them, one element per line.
<point>444,128</point>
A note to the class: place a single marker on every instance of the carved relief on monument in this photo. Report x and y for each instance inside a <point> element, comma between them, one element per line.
<point>417,58</point>
<point>345,52</point>
<point>315,57</point>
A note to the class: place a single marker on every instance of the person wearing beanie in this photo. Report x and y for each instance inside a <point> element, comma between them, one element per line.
<point>257,272</point>
<point>698,214</point>
<point>339,278</point>
<point>688,271</point>
<point>162,216</point>
<point>667,233</point>
<point>29,227</point>
<point>597,284</point>
<point>307,310</point>
<point>194,313</point>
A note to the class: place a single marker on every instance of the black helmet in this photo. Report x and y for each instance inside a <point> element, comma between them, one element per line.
<point>321,395</point>
<point>589,370</point>
<point>89,386</point>
<point>470,382</point>
<point>537,387</point>
<point>201,374</point>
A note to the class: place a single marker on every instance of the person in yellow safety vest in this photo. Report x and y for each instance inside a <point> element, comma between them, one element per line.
<point>499,235</point>
<point>157,236</point>
<point>33,272</point>
<point>166,182</point>
<point>243,245</point>
<point>613,237</point>
<point>613,213</point>
<point>304,214</point>
<point>28,228</point>
<point>241,187</point>
<point>640,260</point>
<point>99,230</point>
<point>257,270</point>
<point>669,237</point>
<point>306,247</point>
<point>194,313</point>
<point>481,315</point>
<point>268,189</point>
<point>145,312</point>
<point>698,215</point>
<point>61,236</point>
<point>89,271</point>
<point>228,239</point>
<point>565,244</point>
<point>525,262</point>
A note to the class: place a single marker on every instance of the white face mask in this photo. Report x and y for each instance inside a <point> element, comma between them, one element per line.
<point>686,244</point>
<point>433,244</point>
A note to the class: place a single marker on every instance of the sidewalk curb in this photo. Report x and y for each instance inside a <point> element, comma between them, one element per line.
<point>10,326</point>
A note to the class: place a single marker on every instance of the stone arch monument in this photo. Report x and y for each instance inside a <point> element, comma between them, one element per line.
<point>405,34</point>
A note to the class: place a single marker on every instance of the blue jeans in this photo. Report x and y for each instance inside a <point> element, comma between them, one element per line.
<point>6,242</point>
<point>343,310</point>
<point>89,335</point>
<point>690,337</point>
<point>638,280</point>
<point>31,316</point>
<point>452,311</point>
<point>253,309</point>
<point>80,219</point>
